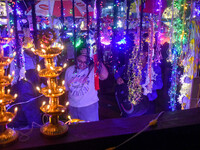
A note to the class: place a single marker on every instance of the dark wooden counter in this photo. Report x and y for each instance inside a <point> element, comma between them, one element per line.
<point>179,129</point>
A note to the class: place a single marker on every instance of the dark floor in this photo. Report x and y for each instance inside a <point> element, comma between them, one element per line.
<point>108,107</point>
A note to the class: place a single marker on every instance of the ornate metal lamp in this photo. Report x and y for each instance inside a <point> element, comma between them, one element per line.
<point>7,135</point>
<point>48,51</point>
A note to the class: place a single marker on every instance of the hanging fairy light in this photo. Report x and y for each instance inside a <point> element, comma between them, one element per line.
<point>176,49</point>
<point>190,62</point>
<point>158,50</point>
<point>150,75</point>
<point>134,70</point>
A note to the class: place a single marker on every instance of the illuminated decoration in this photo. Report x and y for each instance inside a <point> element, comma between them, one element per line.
<point>134,6</point>
<point>48,50</point>
<point>179,32</point>
<point>78,43</point>
<point>135,73</point>
<point>82,26</point>
<point>28,41</point>
<point>106,31</point>
<point>119,24</point>
<point>3,13</point>
<point>158,51</point>
<point>105,41</point>
<point>167,14</point>
<point>190,64</point>
<point>150,75</point>
<point>123,41</point>
<point>95,10</point>
<point>196,10</point>
<point>91,42</point>
<point>22,70</point>
<point>7,135</point>
<point>134,70</point>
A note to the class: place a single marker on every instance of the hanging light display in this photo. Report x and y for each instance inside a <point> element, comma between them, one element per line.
<point>179,37</point>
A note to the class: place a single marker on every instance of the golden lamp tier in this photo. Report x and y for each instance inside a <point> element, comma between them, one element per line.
<point>54,127</point>
<point>7,135</point>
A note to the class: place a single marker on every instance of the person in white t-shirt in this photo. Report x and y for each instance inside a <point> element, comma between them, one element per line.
<point>80,89</point>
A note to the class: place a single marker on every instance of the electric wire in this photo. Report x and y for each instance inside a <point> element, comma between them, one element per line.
<point>151,123</point>
<point>20,103</point>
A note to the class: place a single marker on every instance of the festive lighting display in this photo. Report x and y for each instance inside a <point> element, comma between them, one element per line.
<point>179,33</point>
<point>183,38</point>
<point>7,135</point>
<point>135,72</point>
<point>158,50</point>
<point>150,75</point>
<point>49,49</point>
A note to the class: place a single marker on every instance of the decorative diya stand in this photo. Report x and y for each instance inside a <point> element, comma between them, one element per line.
<point>54,127</point>
<point>7,135</point>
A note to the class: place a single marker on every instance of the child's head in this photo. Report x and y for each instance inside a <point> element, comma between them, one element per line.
<point>82,59</point>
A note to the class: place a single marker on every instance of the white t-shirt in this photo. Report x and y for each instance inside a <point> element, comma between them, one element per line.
<point>80,87</point>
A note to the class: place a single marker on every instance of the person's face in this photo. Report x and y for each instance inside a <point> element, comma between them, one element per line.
<point>82,62</point>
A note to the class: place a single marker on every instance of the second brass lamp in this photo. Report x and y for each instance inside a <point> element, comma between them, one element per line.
<point>49,50</point>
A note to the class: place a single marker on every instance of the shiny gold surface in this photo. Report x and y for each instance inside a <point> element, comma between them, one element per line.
<point>52,72</point>
<point>54,127</point>
<point>48,52</point>
<point>7,135</point>
<point>57,129</point>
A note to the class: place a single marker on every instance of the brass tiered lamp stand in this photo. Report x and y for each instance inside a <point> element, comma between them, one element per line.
<point>54,127</point>
<point>7,135</point>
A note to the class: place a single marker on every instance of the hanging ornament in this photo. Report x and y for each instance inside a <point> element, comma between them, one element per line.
<point>158,55</point>
<point>150,75</point>
<point>47,37</point>
<point>178,33</point>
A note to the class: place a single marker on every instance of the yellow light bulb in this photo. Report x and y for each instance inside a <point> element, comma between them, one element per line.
<point>69,117</point>
<point>38,68</point>
<point>8,91</point>
<point>9,76</point>
<point>33,49</point>
<point>49,90</point>
<point>13,73</point>
<point>43,103</point>
<point>43,51</point>
<point>16,109</point>
<point>14,54</point>
<point>65,65</point>
<point>15,96</point>
<point>38,88</point>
